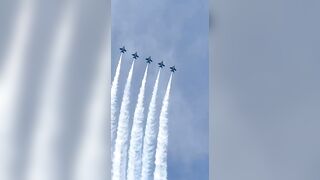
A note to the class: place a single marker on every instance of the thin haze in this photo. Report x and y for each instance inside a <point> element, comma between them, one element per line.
<point>10,85</point>
<point>266,90</point>
<point>91,161</point>
<point>46,68</point>
<point>46,131</point>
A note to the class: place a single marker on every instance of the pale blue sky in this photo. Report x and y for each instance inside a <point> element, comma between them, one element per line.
<point>266,90</point>
<point>175,32</point>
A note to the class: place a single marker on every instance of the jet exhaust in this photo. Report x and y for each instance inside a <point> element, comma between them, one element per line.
<point>135,149</point>
<point>120,152</point>
<point>114,91</point>
<point>149,143</point>
<point>160,172</point>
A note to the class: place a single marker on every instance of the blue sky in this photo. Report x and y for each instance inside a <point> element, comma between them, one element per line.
<point>175,32</point>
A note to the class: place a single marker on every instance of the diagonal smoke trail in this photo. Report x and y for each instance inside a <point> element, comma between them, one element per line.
<point>44,161</point>
<point>134,161</point>
<point>120,151</point>
<point>160,172</point>
<point>149,143</point>
<point>11,84</point>
<point>90,160</point>
<point>114,90</point>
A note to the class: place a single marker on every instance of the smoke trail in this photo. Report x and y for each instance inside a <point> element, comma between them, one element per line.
<point>90,162</point>
<point>134,162</point>
<point>44,161</point>
<point>160,172</point>
<point>120,151</point>
<point>11,85</point>
<point>114,90</point>
<point>149,143</point>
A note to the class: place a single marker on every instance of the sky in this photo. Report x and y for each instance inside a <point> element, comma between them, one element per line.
<point>175,32</point>
<point>265,67</point>
<point>266,90</point>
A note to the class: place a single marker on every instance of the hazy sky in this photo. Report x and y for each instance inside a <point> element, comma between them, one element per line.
<point>175,32</point>
<point>266,90</point>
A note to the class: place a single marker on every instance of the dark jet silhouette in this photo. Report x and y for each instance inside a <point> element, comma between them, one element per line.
<point>135,55</point>
<point>149,60</point>
<point>123,49</point>
<point>173,69</point>
<point>161,65</point>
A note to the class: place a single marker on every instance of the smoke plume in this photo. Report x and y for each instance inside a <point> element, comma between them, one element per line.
<point>160,172</point>
<point>149,143</point>
<point>135,149</point>
<point>114,90</point>
<point>121,143</point>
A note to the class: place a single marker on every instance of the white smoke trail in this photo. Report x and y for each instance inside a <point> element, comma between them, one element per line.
<point>91,156</point>
<point>11,76</point>
<point>43,163</point>
<point>149,143</point>
<point>134,161</point>
<point>114,90</point>
<point>120,151</point>
<point>160,172</point>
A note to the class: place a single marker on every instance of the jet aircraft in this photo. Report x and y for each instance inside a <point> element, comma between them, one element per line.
<point>149,60</point>
<point>173,69</point>
<point>161,65</point>
<point>123,49</point>
<point>135,55</point>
